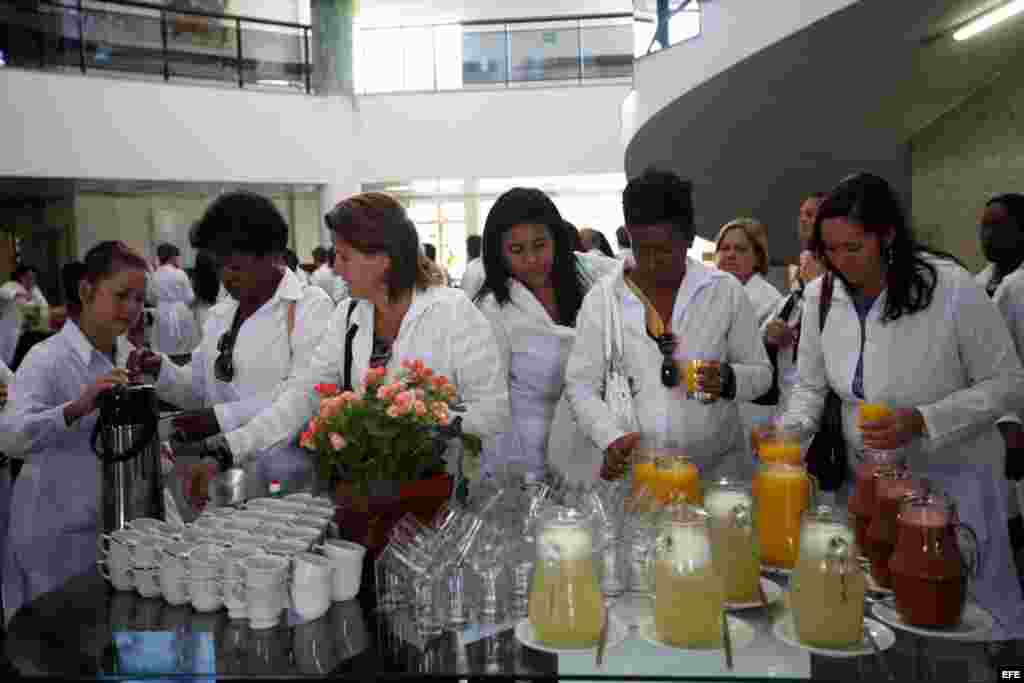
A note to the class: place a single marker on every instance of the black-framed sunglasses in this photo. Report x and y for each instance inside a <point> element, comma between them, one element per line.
<point>224,366</point>
<point>669,369</point>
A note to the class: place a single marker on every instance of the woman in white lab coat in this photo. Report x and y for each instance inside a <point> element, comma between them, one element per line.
<point>21,290</point>
<point>704,314</point>
<point>396,314</point>
<point>914,331</point>
<point>53,529</point>
<point>174,330</point>
<point>252,342</point>
<point>532,291</point>
<point>741,248</point>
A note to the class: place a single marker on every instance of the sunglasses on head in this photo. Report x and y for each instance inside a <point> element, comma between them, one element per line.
<point>669,370</point>
<point>224,366</point>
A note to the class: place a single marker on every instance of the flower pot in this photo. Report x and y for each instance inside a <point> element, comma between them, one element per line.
<point>368,519</point>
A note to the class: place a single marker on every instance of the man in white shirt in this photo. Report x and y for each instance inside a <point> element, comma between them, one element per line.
<point>170,289</point>
<point>22,290</point>
<point>324,276</point>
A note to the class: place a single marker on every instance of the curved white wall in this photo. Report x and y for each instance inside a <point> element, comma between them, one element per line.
<point>731,31</point>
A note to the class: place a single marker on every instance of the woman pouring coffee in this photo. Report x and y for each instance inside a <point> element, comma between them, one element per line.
<point>251,342</point>
<point>52,405</point>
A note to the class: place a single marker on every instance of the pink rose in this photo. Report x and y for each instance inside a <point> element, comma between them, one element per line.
<point>337,441</point>
<point>404,398</point>
<point>420,407</point>
<point>382,393</point>
<point>393,412</point>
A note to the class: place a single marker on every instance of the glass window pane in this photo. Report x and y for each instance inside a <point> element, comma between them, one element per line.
<point>453,211</point>
<point>453,257</point>
<point>483,56</point>
<point>448,56</point>
<point>380,60</point>
<point>418,55</point>
<point>544,53</point>
<point>607,49</point>
<point>421,211</point>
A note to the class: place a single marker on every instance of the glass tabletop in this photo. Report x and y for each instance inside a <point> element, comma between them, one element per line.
<point>86,628</point>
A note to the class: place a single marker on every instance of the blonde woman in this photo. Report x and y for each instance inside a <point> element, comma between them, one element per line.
<point>741,248</point>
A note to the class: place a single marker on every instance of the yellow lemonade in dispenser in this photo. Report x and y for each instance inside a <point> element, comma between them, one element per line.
<point>782,493</point>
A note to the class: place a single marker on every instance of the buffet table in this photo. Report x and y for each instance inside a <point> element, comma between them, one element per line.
<point>88,629</point>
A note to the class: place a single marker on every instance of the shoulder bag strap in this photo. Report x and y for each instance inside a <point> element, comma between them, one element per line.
<point>827,285</point>
<point>350,335</point>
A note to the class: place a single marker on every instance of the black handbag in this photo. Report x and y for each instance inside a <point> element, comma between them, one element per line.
<point>826,457</point>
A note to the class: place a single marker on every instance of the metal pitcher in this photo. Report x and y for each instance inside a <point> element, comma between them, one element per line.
<point>126,441</point>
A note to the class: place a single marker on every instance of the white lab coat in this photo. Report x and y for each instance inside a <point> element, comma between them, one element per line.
<point>763,296</point>
<point>264,357</point>
<point>54,508</point>
<point>174,330</point>
<point>334,285</point>
<point>11,319</point>
<point>712,316</point>
<point>956,364</point>
<point>442,328</point>
<point>473,278</point>
<point>1009,299</point>
<point>535,350</point>
<point>6,376</point>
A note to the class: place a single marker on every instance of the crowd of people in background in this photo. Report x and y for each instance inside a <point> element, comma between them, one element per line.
<point>524,342</point>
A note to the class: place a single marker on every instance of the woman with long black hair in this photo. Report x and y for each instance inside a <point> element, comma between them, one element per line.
<point>533,288</point>
<point>909,328</point>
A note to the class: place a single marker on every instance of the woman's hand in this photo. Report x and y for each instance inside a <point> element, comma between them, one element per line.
<point>86,403</point>
<point>197,425</point>
<point>778,334</point>
<point>709,380</point>
<point>893,431</point>
<point>145,361</point>
<point>617,457</point>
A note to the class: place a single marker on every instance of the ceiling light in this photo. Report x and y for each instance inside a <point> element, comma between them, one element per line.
<point>989,19</point>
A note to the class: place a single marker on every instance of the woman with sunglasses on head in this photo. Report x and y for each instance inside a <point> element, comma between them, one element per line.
<point>532,291</point>
<point>909,328</point>
<point>52,407</point>
<point>397,313</point>
<point>252,342</point>
<point>671,307</point>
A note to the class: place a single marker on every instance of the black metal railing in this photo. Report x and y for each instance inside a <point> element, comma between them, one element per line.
<point>495,53</point>
<point>159,41</point>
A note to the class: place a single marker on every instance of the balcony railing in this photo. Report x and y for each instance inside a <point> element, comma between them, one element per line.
<point>495,53</point>
<point>156,41</point>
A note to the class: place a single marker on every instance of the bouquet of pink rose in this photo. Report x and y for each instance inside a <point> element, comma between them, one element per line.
<point>393,430</point>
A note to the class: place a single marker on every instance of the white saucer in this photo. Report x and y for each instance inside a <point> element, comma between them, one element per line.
<point>741,634</point>
<point>525,634</point>
<point>974,623</point>
<point>772,594</point>
<point>784,631</point>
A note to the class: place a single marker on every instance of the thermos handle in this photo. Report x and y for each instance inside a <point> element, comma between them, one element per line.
<point>104,570</point>
<point>149,432</point>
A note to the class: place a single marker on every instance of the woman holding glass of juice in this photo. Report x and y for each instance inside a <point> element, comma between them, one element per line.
<point>672,309</point>
<point>910,329</point>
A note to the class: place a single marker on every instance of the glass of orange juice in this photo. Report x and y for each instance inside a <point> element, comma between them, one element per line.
<point>871,412</point>
<point>677,476</point>
<point>782,493</point>
<point>692,365</point>
<point>644,469</point>
<point>779,443</point>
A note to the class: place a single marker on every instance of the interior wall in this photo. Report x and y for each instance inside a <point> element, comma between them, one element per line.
<point>968,155</point>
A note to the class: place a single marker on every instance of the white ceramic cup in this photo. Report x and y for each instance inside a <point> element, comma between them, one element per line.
<point>301,534</point>
<point>174,572</point>
<point>311,584</point>
<point>117,557</point>
<point>194,534</point>
<point>324,510</point>
<point>263,589</point>
<point>147,582</point>
<point>242,524</point>
<point>206,590</point>
<point>147,551</point>
<point>122,579</point>
<point>307,519</point>
<point>210,522</point>
<point>231,568</point>
<point>221,537</point>
<point>285,549</point>
<point>278,528</point>
<point>300,497</point>
<point>347,559</point>
<point>146,525</point>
